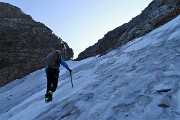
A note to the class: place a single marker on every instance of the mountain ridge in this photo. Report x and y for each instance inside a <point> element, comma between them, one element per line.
<point>156,14</point>
<point>24,43</point>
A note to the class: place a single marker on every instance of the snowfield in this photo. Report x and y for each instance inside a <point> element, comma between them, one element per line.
<point>138,81</point>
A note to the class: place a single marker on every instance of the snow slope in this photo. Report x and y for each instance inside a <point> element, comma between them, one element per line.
<point>139,81</point>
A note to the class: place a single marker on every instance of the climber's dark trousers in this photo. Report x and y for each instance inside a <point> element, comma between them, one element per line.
<point>52,79</point>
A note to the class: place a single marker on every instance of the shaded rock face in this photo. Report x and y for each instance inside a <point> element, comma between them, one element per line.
<point>156,14</point>
<point>24,43</point>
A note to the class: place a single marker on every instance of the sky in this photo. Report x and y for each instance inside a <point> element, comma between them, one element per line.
<point>81,23</point>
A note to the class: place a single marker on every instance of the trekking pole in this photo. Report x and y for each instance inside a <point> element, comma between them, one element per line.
<point>71,79</point>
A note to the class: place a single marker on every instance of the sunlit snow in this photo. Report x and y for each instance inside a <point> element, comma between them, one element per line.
<point>138,81</point>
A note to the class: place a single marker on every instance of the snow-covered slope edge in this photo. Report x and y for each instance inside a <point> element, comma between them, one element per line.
<point>140,80</point>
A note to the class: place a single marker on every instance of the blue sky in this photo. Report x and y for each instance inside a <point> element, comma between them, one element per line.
<point>81,23</point>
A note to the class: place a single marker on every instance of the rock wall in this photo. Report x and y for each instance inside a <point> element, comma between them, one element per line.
<point>156,14</point>
<point>24,43</point>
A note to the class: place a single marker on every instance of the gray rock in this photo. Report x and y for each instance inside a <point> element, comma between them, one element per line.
<point>156,14</point>
<point>24,43</point>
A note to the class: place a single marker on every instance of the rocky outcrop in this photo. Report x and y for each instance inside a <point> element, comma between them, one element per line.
<point>156,14</point>
<point>24,43</point>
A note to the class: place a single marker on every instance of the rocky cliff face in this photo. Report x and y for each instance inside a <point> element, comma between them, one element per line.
<point>156,14</point>
<point>24,43</point>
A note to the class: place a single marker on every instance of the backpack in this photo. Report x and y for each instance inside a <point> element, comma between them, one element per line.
<point>53,60</point>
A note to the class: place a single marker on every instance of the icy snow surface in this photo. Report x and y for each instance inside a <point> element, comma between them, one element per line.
<point>139,81</point>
